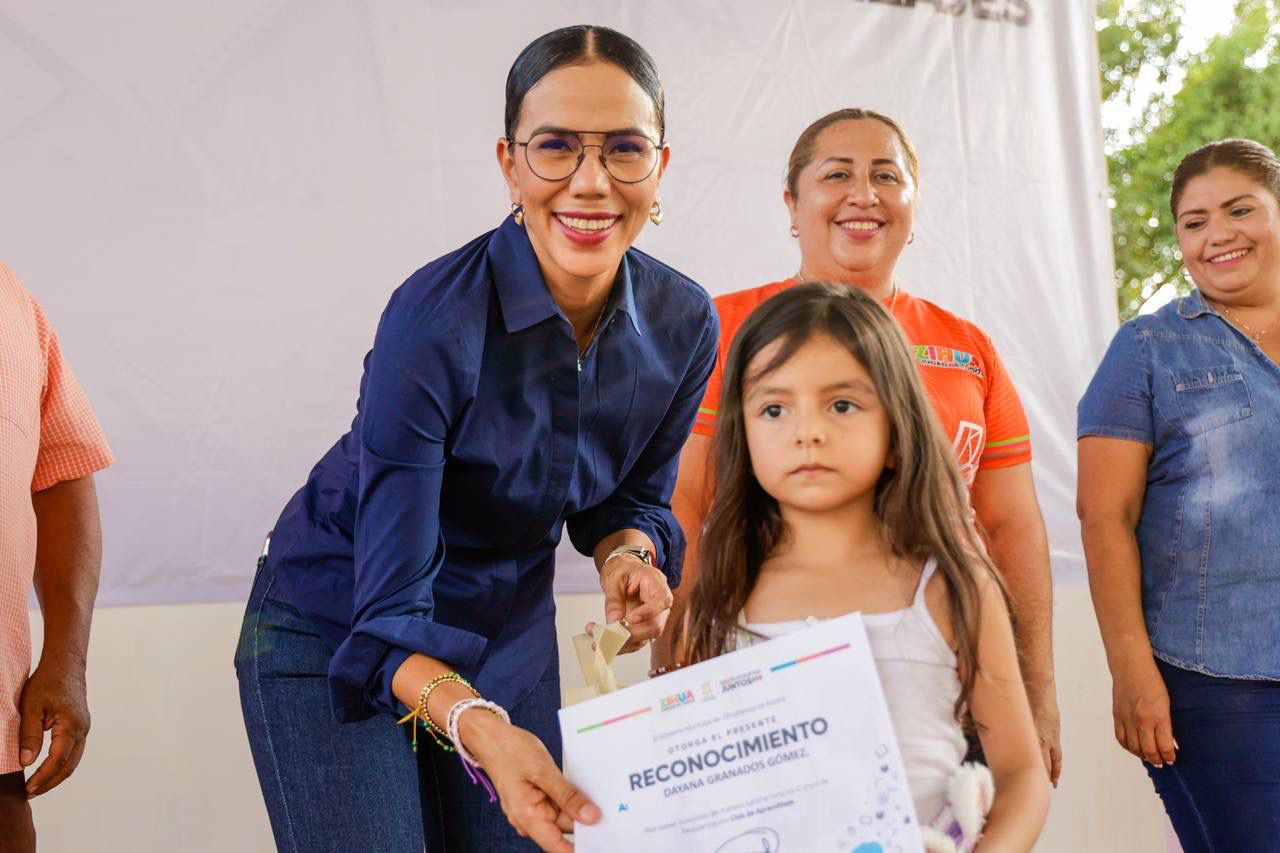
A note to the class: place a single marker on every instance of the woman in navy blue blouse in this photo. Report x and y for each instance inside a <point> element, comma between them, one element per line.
<point>545,374</point>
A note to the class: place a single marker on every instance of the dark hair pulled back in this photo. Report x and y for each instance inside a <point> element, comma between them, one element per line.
<point>1252,159</point>
<point>579,45</point>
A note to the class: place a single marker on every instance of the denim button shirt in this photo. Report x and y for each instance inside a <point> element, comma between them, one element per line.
<point>1207,400</point>
<point>479,434</point>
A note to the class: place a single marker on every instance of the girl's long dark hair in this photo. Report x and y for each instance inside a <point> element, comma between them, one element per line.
<point>921,502</point>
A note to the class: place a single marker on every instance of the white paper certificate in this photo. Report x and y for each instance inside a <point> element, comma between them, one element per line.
<point>783,747</point>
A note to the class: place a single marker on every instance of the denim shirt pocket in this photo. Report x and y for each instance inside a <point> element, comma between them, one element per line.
<point>1211,397</point>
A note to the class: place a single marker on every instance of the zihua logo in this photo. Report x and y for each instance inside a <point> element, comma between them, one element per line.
<point>1011,11</point>
<point>684,697</point>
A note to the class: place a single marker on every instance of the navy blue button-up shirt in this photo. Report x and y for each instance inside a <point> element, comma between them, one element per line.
<point>431,526</point>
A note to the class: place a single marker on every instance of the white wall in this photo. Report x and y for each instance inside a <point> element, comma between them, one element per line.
<point>168,770</point>
<point>213,201</point>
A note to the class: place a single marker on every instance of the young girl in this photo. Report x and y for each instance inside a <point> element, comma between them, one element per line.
<point>836,492</point>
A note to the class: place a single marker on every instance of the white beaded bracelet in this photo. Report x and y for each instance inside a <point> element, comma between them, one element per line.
<point>455,713</point>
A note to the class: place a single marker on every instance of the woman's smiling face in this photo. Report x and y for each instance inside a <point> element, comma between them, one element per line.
<point>1228,229</point>
<point>581,226</point>
<point>853,203</point>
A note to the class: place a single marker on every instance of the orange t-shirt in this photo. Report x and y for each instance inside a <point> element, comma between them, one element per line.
<point>48,434</point>
<point>964,378</point>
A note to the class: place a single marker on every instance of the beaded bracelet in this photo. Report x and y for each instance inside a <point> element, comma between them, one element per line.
<point>420,715</point>
<point>469,764</point>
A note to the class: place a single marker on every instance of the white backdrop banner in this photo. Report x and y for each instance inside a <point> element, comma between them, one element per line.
<point>214,201</point>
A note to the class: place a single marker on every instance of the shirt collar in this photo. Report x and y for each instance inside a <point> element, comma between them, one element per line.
<point>1193,305</point>
<point>522,291</point>
<point>626,295</point>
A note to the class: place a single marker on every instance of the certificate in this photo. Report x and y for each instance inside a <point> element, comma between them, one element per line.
<point>782,747</point>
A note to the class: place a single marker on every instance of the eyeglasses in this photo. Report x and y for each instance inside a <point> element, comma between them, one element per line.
<point>555,155</point>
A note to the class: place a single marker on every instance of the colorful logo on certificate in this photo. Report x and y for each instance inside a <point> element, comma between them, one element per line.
<point>676,700</point>
<point>738,681</point>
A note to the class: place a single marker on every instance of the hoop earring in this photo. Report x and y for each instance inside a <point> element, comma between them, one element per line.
<point>655,212</point>
<point>795,232</point>
<point>517,213</point>
<point>911,238</point>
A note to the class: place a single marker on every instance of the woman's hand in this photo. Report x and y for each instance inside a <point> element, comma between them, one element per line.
<point>1140,706</point>
<point>637,593</point>
<point>539,802</point>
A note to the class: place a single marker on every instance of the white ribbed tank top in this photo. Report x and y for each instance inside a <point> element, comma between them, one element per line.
<point>918,674</point>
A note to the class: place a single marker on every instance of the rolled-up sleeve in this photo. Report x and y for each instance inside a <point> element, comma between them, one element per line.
<point>411,391</point>
<point>1117,403</point>
<point>642,500</point>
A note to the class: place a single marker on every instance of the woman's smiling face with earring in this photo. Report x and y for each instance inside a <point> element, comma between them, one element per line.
<point>854,202</point>
<point>581,226</point>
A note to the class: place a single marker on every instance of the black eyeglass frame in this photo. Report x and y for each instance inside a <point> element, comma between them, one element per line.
<point>582,155</point>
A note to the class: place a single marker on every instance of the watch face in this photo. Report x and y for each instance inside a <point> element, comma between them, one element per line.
<point>637,552</point>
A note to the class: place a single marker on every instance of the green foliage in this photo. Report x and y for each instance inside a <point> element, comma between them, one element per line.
<point>1231,89</point>
<point>1133,36</point>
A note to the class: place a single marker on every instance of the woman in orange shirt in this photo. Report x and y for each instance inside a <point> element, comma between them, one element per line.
<point>852,183</point>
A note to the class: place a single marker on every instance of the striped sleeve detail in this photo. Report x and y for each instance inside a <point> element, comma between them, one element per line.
<point>1018,446</point>
<point>705,425</point>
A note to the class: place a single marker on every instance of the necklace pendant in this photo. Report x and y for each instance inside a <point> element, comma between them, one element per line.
<point>579,364</point>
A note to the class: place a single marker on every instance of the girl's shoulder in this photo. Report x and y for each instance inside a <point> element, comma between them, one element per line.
<point>937,593</point>
<point>937,601</point>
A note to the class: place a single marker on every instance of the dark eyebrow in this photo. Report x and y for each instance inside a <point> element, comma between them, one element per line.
<point>622,131</point>
<point>1224,205</point>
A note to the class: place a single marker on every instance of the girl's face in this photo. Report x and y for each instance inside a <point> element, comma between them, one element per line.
<point>816,431</point>
<point>1229,232</point>
<point>581,226</point>
<point>854,203</point>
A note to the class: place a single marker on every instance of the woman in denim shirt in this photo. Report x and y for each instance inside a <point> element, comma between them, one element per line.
<point>1179,485</point>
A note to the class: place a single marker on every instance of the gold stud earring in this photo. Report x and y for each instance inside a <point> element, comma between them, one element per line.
<point>655,212</point>
<point>517,213</point>
<point>795,232</point>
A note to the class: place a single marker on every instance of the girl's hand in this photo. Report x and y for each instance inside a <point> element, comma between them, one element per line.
<point>637,592</point>
<point>1140,707</point>
<point>539,802</point>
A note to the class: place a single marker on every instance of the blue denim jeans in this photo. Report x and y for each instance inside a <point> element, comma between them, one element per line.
<point>349,787</point>
<point>1223,792</point>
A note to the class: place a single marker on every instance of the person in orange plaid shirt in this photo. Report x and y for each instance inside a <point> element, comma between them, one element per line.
<point>50,445</point>
<point>851,191</point>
